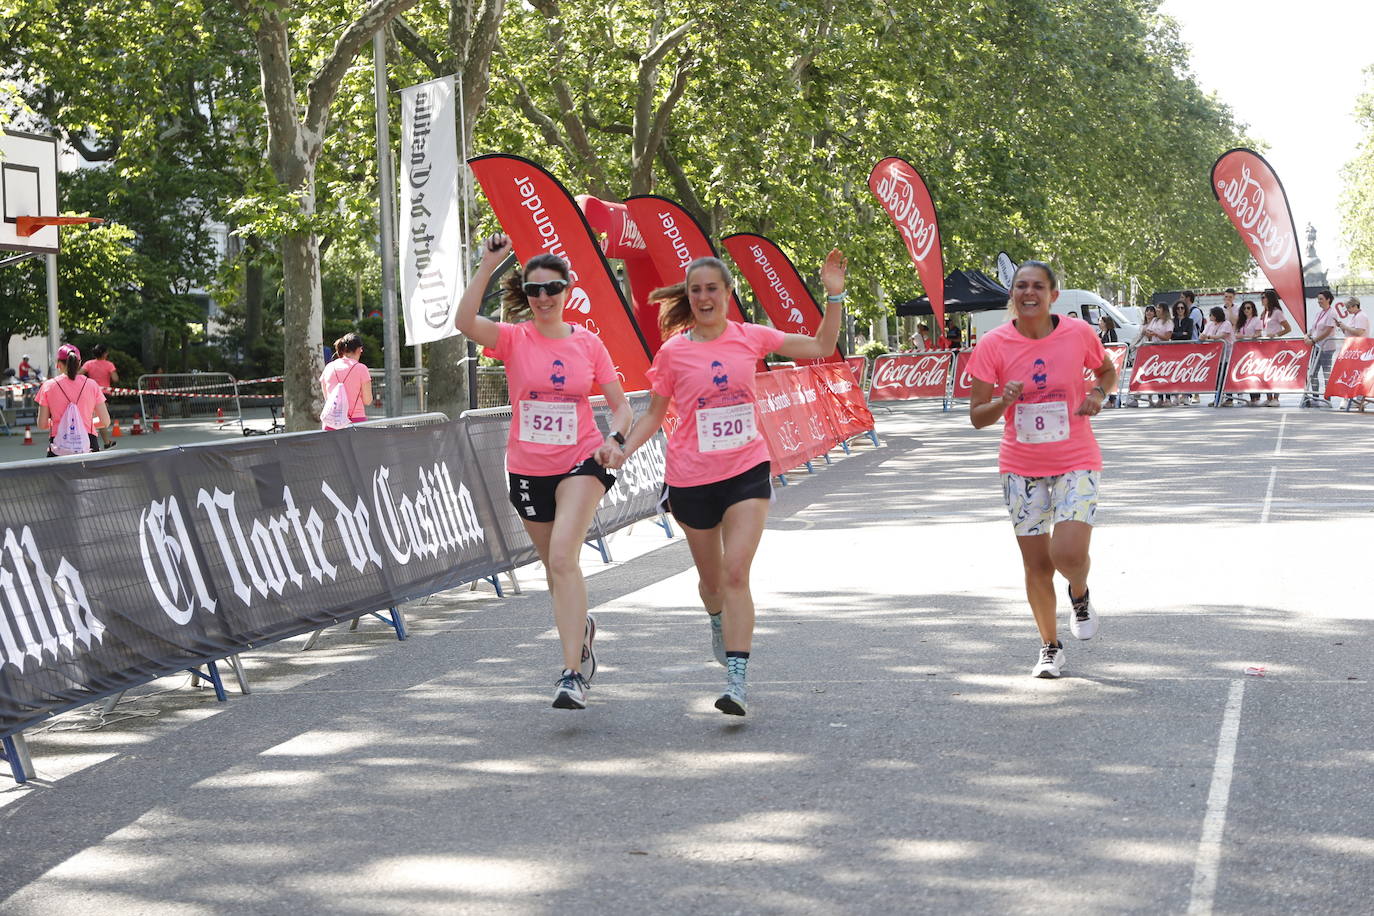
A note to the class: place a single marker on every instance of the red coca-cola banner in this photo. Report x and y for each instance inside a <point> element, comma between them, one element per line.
<point>907,376</point>
<point>1118,354</point>
<point>843,399</point>
<point>906,199</point>
<point>778,287</point>
<point>859,366</point>
<point>1352,371</point>
<point>674,239</point>
<point>963,382</point>
<point>1267,365</point>
<point>540,216</point>
<point>1177,368</point>
<point>1253,197</point>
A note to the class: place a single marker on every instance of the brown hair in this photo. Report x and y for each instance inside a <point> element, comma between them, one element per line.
<point>1049,275</point>
<point>674,310</point>
<point>348,343</point>
<point>514,303</point>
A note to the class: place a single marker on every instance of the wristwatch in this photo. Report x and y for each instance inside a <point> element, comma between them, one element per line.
<point>619,438</point>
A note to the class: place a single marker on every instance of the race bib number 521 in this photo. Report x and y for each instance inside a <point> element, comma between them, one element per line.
<point>548,422</point>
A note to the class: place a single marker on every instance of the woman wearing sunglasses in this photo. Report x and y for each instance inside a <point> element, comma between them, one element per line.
<point>556,482</point>
<point>717,468</point>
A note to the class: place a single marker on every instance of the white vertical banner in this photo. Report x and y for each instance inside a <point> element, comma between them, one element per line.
<point>430,240</point>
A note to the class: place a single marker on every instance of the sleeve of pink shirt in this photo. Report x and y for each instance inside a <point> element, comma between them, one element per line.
<point>603,370</point>
<point>763,339</point>
<point>505,333</point>
<point>1094,353</point>
<point>985,364</point>
<point>660,379</point>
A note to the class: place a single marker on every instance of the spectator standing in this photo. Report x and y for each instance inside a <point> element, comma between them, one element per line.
<point>1217,327</point>
<point>1249,326</point>
<point>66,389</point>
<point>1228,303</point>
<point>1106,330</point>
<point>1183,327</point>
<point>953,338</point>
<point>1157,329</point>
<point>26,372</point>
<point>103,372</point>
<point>1275,325</point>
<point>1357,326</point>
<point>347,371</point>
<point>1323,338</point>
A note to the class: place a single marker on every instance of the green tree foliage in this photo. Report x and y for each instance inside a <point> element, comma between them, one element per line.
<point>1357,200</point>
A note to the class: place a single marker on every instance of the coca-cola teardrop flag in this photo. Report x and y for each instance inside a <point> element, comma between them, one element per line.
<point>907,201</point>
<point>1253,197</point>
<point>674,239</point>
<point>540,216</point>
<point>778,287</point>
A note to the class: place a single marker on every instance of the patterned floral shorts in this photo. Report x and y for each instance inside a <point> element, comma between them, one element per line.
<point>1038,503</point>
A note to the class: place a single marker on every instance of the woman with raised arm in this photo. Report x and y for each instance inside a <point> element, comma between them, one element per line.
<point>1275,325</point>
<point>1049,459</point>
<point>556,481</point>
<point>718,483</point>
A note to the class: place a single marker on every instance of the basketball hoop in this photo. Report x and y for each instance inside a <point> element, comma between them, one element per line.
<point>25,226</point>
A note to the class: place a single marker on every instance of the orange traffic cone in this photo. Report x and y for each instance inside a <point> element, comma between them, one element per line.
<point>28,435</point>
<point>137,429</point>
<point>157,423</point>
<point>114,430</point>
<point>219,415</point>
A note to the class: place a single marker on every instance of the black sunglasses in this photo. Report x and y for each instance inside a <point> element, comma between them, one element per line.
<point>551,288</point>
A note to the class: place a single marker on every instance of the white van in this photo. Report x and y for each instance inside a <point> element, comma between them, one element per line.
<point>1087,305</point>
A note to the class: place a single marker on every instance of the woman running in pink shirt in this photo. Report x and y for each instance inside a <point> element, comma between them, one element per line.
<point>556,481</point>
<point>1049,459</point>
<point>717,475</point>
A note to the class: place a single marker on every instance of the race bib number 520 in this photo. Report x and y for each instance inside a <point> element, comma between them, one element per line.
<point>720,428</point>
<point>548,422</point>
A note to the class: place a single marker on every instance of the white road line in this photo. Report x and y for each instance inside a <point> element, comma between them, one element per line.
<point>1208,860</point>
<point>1278,443</point>
<point>1269,494</point>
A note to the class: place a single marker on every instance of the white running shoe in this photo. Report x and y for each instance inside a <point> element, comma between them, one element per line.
<point>1082,618</point>
<point>717,637</point>
<point>571,692</point>
<point>732,702</point>
<point>1051,661</point>
<point>589,653</point>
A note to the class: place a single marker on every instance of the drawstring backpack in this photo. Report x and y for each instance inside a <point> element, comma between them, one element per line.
<point>71,437</point>
<point>335,413</point>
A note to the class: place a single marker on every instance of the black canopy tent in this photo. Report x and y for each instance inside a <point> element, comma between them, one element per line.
<point>965,291</point>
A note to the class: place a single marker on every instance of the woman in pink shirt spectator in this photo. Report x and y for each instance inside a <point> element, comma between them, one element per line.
<point>1356,326</point>
<point>1275,325</point>
<point>103,373</point>
<point>554,455</point>
<point>718,483</point>
<point>1248,326</point>
<point>1049,459</point>
<point>345,371</point>
<point>69,388</point>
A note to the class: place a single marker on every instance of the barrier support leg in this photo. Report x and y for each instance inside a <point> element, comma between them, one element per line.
<point>845,446</point>
<point>314,638</point>
<point>599,544</point>
<point>239,674</point>
<point>782,480</point>
<point>16,753</point>
<point>395,619</point>
<point>495,583</point>
<point>211,674</point>
<point>809,468</point>
<point>873,435</point>
<point>663,522</point>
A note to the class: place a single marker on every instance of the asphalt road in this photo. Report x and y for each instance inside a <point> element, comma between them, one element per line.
<point>897,756</point>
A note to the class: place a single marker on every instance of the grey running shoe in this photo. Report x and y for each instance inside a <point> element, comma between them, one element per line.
<point>571,692</point>
<point>717,637</point>
<point>1050,664</point>
<point>588,652</point>
<point>733,702</point>
<point>1082,618</point>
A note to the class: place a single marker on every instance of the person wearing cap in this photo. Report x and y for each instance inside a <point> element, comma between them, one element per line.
<point>67,387</point>
<point>1357,326</point>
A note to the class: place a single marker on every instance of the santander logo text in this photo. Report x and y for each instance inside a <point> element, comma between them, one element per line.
<point>1192,368</point>
<point>1268,230</point>
<point>899,197</point>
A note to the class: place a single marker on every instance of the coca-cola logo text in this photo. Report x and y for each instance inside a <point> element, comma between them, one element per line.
<point>1191,368</point>
<point>916,372</point>
<point>1268,231</point>
<point>1282,367</point>
<point>898,195</point>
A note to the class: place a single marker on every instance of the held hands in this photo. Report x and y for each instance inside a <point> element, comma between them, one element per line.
<point>833,272</point>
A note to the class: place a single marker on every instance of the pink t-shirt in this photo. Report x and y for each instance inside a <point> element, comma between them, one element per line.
<point>1252,328</point>
<point>1162,327</point>
<point>1223,329</point>
<point>1358,322</point>
<point>552,427</point>
<point>57,393</point>
<point>100,370</point>
<point>1326,324</point>
<point>1273,322</point>
<point>711,386</point>
<point>351,374</point>
<point>1052,371</point>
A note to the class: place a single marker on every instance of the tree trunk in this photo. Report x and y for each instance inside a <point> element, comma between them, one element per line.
<point>303,328</point>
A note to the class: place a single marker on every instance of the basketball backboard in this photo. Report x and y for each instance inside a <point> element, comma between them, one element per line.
<point>28,187</point>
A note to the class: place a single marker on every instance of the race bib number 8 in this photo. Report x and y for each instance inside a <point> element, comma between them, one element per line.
<point>720,428</point>
<point>1047,421</point>
<point>548,422</point>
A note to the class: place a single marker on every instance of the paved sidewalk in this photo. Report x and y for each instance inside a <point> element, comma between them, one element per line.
<point>897,757</point>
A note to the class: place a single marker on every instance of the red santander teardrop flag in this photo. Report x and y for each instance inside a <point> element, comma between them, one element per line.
<point>540,216</point>
<point>674,239</point>
<point>1253,197</point>
<point>778,287</point>
<point>907,201</point>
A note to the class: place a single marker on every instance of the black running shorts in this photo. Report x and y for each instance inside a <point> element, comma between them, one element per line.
<point>704,506</point>
<point>533,497</point>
